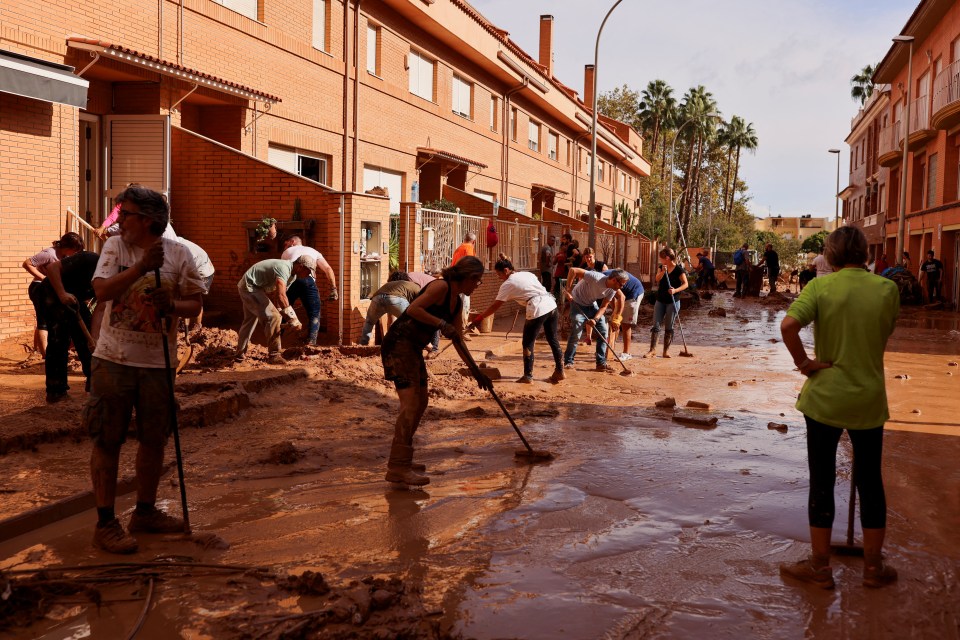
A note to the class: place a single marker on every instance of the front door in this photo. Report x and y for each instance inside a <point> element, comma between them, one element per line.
<point>89,168</point>
<point>138,150</point>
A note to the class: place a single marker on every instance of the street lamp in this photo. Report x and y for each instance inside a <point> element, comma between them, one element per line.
<point>836,205</point>
<point>592,232</point>
<point>902,218</point>
<point>673,148</point>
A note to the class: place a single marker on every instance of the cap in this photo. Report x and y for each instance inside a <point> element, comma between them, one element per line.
<point>308,262</point>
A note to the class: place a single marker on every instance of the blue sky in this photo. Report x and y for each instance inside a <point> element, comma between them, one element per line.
<point>783,65</point>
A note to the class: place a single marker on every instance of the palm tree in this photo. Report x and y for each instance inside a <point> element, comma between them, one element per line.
<point>656,102</point>
<point>744,136</point>
<point>861,84</point>
<point>698,105</point>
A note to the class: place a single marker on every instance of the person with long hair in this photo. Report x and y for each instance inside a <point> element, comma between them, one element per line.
<point>526,290</point>
<point>437,308</point>
<point>37,266</point>
<point>844,391</point>
<point>671,280</point>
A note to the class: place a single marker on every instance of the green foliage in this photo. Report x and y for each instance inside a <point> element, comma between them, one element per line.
<point>861,84</point>
<point>441,205</point>
<point>814,244</point>
<point>394,243</point>
<point>263,229</point>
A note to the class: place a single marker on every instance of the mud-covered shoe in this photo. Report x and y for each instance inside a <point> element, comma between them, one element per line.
<point>556,376</point>
<point>879,575</point>
<point>604,368</point>
<point>568,365</point>
<point>276,358</point>
<point>154,522</point>
<point>525,380</point>
<point>113,539</point>
<point>806,572</point>
<point>418,467</point>
<point>406,476</point>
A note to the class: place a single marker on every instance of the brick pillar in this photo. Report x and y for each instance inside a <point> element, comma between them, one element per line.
<point>411,237</point>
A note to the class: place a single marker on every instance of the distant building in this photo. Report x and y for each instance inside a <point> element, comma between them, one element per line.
<point>795,228</point>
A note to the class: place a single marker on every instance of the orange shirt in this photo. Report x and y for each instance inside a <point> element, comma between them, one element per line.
<point>464,250</point>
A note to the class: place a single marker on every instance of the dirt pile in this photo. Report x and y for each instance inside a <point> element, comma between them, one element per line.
<point>215,348</point>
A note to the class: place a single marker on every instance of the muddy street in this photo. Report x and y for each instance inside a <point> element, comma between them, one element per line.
<point>643,526</point>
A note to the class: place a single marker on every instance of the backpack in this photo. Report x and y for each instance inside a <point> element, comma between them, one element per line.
<point>492,239</point>
<point>738,257</point>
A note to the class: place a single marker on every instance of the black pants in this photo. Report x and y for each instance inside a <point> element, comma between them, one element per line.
<point>743,281</point>
<point>772,277</point>
<point>546,277</point>
<point>934,290</point>
<point>64,327</point>
<point>531,329</point>
<point>822,443</point>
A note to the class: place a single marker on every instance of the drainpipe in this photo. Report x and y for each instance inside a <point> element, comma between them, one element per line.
<point>180,55</point>
<point>340,276</point>
<point>356,90</point>
<point>346,90</point>
<point>160,28</point>
<point>505,154</point>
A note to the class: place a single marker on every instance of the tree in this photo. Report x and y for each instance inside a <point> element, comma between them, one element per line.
<point>861,84</point>
<point>656,106</point>
<point>739,135</point>
<point>814,244</point>
<point>620,104</point>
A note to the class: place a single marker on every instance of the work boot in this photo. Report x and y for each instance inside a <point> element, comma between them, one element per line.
<point>556,377</point>
<point>155,521</point>
<point>805,571</point>
<point>604,368</point>
<point>276,358</point>
<point>654,339</point>
<point>113,539</point>
<point>400,467</point>
<point>667,341</point>
<point>879,574</point>
<point>525,379</point>
<point>418,467</point>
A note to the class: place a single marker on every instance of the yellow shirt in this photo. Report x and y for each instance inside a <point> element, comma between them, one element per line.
<point>854,313</point>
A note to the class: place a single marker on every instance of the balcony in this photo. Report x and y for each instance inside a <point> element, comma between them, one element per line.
<point>920,129</point>
<point>946,98</point>
<point>888,146</point>
<point>870,221</point>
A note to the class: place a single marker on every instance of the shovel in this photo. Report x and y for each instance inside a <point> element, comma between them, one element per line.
<point>626,372</point>
<point>850,549</point>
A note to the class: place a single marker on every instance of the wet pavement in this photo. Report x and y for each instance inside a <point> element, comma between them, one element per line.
<point>642,528</point>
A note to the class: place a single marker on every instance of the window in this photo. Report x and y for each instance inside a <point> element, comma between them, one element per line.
<point>513,123</point>
<point>462,98</point>
<point>373,49</point>
<point>533,136</point>
<point>421,76</point>
<point>553,141</point>
<point>486,195</point>
<point>881,203</point>
<point>569,146</point>
<point>493,113</point>
<point>630,184</point>
<point>392,181</point>
<point>303,163</point>
<point>518,204</point>
<point>243,7</point>
<point>320,24</point>
<point>932,180</point>
<point>600,171</point>
<point>623,181</point>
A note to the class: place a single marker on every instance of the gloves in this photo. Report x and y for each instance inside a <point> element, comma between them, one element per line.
<point>447,330</point>
<point>483,381</point>
<point>334,295</point>
<point>615,322</point>
<point>290,313</point>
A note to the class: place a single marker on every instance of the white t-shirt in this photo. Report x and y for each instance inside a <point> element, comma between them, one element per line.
<point>200,258</point>
<point>130,333</point>
<point>297,250</point>
<point>823,267</point>
<point>525,289</point>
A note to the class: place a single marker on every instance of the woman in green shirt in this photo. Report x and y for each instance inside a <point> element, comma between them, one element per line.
<point>854,313</point>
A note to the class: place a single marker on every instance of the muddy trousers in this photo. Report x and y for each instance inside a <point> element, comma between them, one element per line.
<point>413,404</point>
<point>305,290</point>
<point>531,329</point>
<point>257,307</point>
<point>64,327</point>
<point>822,443</point>
<point>743,282</point>
<point>578,319</point>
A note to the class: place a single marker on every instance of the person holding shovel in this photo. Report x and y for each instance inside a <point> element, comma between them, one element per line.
<point>528,291</point>
<point>585,312</point>
<point>671,280</point>
<point>845,390</point>
<point>437,308</point>
<point>128,369</point>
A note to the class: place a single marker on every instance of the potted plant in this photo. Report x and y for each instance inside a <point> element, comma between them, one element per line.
<point>264,231</point>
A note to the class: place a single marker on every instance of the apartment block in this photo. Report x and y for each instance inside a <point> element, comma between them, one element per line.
<point>325,114</point>
<point>795,227</point>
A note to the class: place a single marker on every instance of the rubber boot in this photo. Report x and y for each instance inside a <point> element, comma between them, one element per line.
<point>654,339</point>
<point>399,467</point>
<point>667,341</point>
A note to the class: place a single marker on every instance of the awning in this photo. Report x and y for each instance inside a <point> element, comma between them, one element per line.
<point>847,192</point>
<point>145,61</point>
<point>22,75</point>
<point>449,157</point>
<point>543,187</point>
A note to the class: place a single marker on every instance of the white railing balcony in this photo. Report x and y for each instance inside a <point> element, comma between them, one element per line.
<point>870,221</point>
<point>889,140</point>
<point>920,114</point>
<point>946,87</point>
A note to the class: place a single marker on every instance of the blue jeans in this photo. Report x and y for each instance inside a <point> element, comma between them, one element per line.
<point>305,290</point>
<point>578,317</point>
<point>661,311</point>
<point>379,306</point>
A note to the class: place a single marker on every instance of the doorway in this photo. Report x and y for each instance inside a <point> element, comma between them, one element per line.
<point>90,180</point>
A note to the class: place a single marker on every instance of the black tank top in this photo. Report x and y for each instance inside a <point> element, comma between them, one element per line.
<point>407,328</point>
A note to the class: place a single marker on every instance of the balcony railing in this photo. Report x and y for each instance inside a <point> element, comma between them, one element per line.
<point>869,221</point>
<point>889,139</point>
<point>920,114</point>
<point>946,87</point>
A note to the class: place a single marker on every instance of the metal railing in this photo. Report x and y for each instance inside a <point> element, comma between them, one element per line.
<point>920,114</point>
<point>946,87</point>
<point>889,140</point>
<point>80,226</point>
<point>520,242</point>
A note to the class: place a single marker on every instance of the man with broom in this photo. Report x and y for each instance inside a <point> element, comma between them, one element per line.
<point>128,369</point>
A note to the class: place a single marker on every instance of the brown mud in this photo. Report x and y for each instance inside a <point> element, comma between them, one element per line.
<point>641,528</point>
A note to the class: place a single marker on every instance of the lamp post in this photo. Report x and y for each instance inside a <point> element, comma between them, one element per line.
<point>902,218</point>
<point>673,148</point>
<point>592,231</point>
<point>836,204</point>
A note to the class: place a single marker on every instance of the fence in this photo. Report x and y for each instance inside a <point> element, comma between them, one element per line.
<point>518,241</point>
<point>80,226</point>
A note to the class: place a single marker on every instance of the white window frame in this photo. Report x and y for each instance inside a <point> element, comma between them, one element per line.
<point>517,204</point>
<point>533,136</point>
<point>493,113</point>
<point>319,36</point>
<point>422,73</point>
<point>373,49</point>
<point>623,182</point>
<point>461,99</point>
<point>600,171</point>
<point>553,142</point>
<point>290,158</point>
<point>514,116</point>
<point>248,8</point>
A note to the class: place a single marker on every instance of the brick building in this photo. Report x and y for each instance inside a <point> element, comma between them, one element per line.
<point>933,140</point>
<point>794,227</point>
<point>293,109</point>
